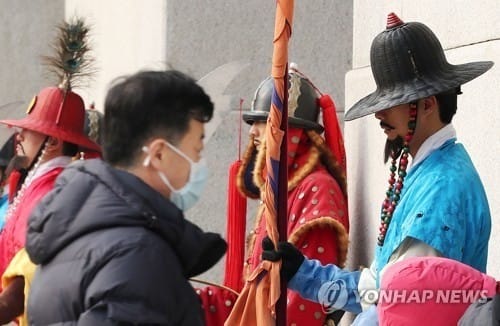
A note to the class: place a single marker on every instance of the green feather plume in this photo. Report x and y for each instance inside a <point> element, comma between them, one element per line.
<point>72,61</point>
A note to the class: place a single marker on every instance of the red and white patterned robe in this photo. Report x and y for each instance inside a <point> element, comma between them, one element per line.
<point>318,225</point>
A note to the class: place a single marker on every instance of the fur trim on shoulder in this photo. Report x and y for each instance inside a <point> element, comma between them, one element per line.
<point>325,223</point>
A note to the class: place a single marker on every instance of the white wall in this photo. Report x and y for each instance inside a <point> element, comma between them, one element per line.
<point>126,36</point>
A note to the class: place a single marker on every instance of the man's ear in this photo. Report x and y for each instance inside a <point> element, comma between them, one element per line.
<point>430,103</point>
<point>156,152</point>
<point>430,106</point>
<point>54,143</point>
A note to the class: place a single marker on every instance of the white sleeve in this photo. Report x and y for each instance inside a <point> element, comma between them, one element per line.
<point>410,247</point>
<point>367,285</point>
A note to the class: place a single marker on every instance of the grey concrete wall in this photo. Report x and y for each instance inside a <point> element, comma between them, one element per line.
<point>26,32</point>
<point>203,35</point>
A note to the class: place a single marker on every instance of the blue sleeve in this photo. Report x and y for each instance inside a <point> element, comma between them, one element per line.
<point>328,285</point>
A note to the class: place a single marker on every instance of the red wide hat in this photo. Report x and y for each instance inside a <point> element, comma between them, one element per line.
<point>56,113</point>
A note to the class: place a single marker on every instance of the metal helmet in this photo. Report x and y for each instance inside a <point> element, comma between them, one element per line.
<point>94,123</point>
<point>303,106</point>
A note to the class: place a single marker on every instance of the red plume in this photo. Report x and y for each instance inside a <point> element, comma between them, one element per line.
<point>235,231</point>
<point>333,134</point>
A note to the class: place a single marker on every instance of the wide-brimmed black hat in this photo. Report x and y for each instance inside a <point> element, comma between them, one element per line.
<point>408,64</point>
<point>303,105</point>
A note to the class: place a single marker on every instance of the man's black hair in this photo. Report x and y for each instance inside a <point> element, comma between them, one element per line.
<point>448,104</point>
<point>150,104</point>
<point>69,149</point>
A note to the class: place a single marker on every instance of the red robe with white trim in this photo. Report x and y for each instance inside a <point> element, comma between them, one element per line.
<point>13,236</point>
<point>318,225</point>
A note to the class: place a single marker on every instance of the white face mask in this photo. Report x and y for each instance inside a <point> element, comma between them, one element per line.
<point>185,197</point>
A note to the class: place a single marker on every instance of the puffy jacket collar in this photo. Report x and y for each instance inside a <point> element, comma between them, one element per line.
<point>91,195</point>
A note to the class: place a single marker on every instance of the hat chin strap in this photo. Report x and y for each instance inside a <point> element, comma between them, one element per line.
<point>397,177</point>
<point>26,178</point>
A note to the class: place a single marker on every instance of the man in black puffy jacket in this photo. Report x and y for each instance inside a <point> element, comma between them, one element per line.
<point>111,239</point>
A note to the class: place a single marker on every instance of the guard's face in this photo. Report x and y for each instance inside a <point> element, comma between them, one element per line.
<point>29,143</point>
<point>394,121</point>
<point>258,131</point>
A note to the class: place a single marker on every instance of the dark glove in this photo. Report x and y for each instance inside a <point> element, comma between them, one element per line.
<point>291,257</point>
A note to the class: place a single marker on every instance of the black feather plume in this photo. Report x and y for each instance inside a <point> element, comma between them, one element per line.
<point>71,61</point>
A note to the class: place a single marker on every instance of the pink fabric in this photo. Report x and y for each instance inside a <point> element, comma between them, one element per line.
<point>430,291</point>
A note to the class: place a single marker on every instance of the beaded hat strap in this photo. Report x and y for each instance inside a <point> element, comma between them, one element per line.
<point>393,193</point>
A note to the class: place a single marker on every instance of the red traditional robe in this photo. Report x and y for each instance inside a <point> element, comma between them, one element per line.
<point>13,236</point>
<point>14,260</point>
<point>318,225</point>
